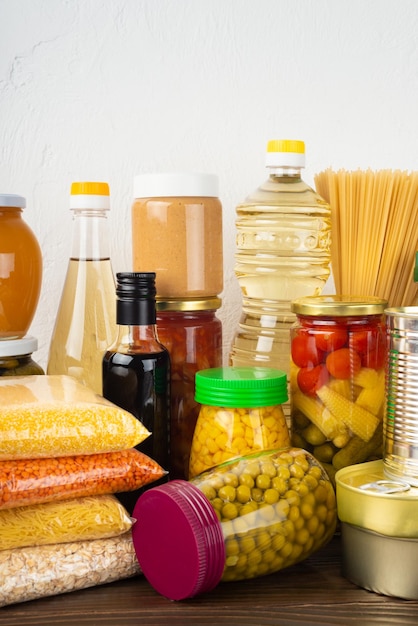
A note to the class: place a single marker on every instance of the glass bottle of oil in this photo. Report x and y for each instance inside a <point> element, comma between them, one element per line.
<point>86,320</point>
<point>283,253</point>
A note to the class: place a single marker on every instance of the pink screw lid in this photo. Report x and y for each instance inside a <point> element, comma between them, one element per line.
<point>178,540</point>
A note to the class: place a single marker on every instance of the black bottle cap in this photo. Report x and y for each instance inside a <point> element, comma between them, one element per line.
<point>135,293</point>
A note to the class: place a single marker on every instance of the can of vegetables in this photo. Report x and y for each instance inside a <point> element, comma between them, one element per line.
<point>337,380</point>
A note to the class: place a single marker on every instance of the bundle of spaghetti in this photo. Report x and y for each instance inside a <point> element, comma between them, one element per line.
<point>374,231</point>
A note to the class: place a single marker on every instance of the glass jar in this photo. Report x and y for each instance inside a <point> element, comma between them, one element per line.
<point>177,233</point>
<point>192,334</point>
<point>338,357</point>
<point>16,357</point>
<point>20,269</point>
<point>240,413</point>
<point>248,517</point>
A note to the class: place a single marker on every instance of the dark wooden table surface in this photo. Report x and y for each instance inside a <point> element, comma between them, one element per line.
<point>313,592</point>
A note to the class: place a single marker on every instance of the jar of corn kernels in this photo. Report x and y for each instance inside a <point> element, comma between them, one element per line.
<point>240,413</point>
<point>337,378</point>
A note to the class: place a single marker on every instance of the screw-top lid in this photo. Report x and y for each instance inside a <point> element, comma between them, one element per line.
<point>241,387</point>
<point>285,153</point>
<point>189,304</point>
<point>135,293</point>
<point>176,184</point>
<point>338,306</point>
<point>90,195</point>
<point>12,200</point>
<point>178,540</point>
<point>18,347</point>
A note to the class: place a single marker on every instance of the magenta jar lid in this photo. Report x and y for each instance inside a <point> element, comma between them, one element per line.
<point>178,540</point>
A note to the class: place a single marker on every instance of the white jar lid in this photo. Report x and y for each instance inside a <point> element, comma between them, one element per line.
<point>18,347</point>
<point>12,200</point>
<point>176,184</point>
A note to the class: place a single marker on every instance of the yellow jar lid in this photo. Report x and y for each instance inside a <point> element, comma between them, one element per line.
<point>189,304</point>
<point>338,306</point>
<point>367,498</point>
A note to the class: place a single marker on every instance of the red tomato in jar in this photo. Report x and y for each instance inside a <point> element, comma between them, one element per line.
<point>343,363</point>
<point>330,340</point>
<point>310,379</point>
<point>360,340</point>
<point>305,352</point>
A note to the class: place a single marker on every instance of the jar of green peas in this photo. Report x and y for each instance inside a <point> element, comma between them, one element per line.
<point>248,517</point>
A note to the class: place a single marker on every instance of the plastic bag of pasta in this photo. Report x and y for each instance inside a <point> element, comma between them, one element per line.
<point>78,519</point>
<point>37,572</point>
<point>32,481</point>
<point>45,416</point>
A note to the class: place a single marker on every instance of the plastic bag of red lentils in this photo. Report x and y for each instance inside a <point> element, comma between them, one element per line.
<point>32,481</point>
<point>41,571</point>
<point>52,416</point>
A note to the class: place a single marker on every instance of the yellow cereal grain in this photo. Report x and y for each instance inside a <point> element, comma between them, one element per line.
<point>52,416</point>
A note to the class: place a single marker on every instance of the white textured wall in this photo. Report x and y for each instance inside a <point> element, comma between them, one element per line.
<point>106,89</point>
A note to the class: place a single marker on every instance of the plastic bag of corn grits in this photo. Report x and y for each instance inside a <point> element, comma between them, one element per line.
<point>31,573</point>
<point>52,416</point>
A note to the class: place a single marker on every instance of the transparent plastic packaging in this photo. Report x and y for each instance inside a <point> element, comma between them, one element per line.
<point>338,348</point>
<point>53,416</point>
<point>283,253</point>
<point>78,519</point>
<point>240,413</point>
<point>248,517</point>
<point>42,571</point>
<point>32,481</point>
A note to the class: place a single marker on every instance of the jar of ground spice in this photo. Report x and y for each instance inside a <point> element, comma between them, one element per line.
<point>177,233</point>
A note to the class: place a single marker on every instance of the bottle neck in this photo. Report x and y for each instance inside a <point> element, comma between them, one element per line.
<point>285,172</point>
<point>138,339</point>
<point>90,235</point>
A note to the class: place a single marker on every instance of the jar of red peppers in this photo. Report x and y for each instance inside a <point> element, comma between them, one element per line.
<point>337,381</point>
<point>192,334</point>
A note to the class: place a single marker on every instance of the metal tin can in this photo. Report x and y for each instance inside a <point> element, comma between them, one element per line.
<point>337,379</point>
<point>379,530</point>
<point>400,451</point>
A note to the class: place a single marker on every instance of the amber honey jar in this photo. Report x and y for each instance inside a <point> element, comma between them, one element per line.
<point>177,233</point>
<point>192,333</point>
<point>20,269</point>
<point>337,379</point>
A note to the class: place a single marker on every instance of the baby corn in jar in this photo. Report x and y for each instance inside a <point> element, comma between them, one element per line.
<point>240,413</point>
<point>337,380</point>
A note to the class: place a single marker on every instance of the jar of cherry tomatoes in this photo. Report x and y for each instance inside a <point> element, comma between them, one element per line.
<point>337,380</point>
<point>192,333</point>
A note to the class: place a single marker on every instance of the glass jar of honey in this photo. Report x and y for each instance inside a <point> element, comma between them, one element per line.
<point>192,333</point>
<point>177,233</point>
<point>337,378</point>
<point>20,269</point>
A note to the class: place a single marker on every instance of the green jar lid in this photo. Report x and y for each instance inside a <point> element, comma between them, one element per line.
<point>241,387</point>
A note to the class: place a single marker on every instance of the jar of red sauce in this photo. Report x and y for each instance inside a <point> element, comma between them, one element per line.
<point>20,269</point>
<point>337,379</point>
<point>192,333</point>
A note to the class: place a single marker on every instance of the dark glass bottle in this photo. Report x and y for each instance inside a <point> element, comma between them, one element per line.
<point>136,368</point>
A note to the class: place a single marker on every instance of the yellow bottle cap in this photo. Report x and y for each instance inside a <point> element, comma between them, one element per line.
<point>90,189</point>
<point>285,153</point>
